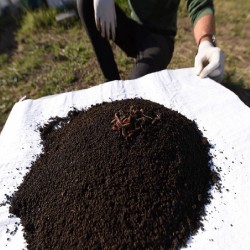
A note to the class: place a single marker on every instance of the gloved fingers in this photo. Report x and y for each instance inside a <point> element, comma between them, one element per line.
<point>113,23</point>
<point>110,31</point>
<point>218,73</point>
<point>209,61</point>
<point>97,23</point>
<point>113,28</point>
<point>113,34</point>
<point>198,65</point>
<point>216,67</point>
<point>213,64</point>
<point>105,17</point>
<point>102,28</point>
<point>107,30</point>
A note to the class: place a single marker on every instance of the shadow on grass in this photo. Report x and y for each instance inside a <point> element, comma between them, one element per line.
<point>243,94</point>
<point>238,87</point>
<point>9,23</point>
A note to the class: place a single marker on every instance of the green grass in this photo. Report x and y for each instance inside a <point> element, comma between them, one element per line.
<point>50,57</point>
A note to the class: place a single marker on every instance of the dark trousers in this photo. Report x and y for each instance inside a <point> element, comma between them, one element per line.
<point>152,51</point>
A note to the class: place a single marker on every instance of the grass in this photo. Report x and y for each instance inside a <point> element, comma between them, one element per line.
<point>39,56</point>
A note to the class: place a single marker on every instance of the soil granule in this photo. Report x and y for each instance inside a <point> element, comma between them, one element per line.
<point>98,186</point>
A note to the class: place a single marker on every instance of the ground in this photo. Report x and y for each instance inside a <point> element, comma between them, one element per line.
<point>40,57</point>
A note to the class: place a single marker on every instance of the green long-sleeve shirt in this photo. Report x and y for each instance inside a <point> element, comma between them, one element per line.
<point>161,15</point>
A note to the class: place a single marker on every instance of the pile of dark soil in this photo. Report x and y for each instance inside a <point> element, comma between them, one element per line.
<point>128,174</point>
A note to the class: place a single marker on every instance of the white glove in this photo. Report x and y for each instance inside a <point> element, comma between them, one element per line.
<point>209,61</point>
<point>105,17</point>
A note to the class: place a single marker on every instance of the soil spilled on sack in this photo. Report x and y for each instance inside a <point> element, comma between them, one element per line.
<point>129,174</point>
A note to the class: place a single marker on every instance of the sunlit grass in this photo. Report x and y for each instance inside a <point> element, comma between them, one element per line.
<point>54,57</point>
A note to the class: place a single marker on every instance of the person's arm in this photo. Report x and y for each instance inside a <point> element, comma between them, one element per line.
<point>209,61</point>
<point>204,29</point>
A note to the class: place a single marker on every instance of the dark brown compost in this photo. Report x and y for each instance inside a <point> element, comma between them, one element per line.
<point>129,174</point>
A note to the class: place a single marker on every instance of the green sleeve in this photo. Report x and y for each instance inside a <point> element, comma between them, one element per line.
<point>199,8</point>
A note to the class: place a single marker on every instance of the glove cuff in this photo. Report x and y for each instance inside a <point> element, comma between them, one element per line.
<point>211,39</point>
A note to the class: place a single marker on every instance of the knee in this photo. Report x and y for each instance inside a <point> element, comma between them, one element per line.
<point>163,52</point>
<point>160,57</point>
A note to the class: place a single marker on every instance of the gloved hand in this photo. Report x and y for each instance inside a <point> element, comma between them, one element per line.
<point>105,17</point>
<point>209,61</point>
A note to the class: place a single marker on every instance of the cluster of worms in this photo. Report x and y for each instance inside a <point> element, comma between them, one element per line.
<point>131,123</point>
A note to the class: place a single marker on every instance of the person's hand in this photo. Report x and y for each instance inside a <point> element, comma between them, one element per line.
<point>209,61</point>
<point>105,17</point>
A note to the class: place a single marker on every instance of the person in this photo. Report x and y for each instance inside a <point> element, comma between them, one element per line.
<point>148,35</point>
